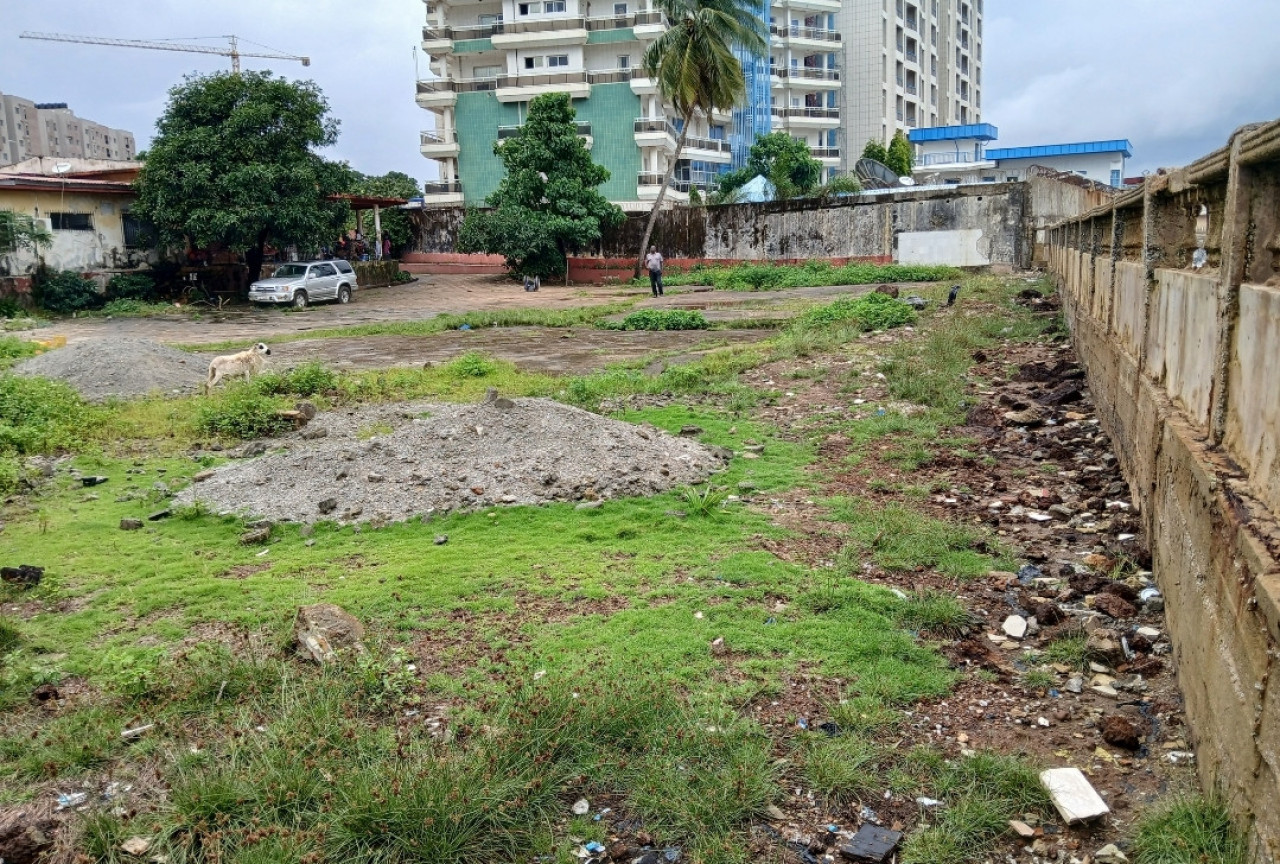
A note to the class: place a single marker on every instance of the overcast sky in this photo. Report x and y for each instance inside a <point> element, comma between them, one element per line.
<point>1175,77</point>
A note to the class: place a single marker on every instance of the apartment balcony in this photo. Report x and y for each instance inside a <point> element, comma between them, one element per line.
<point>655,132</point>
<point>611,76</point>
<point>439,143</point>
<point>951,160</point>
<point>522,88</point>
<point>622,22</point>
<point>443,92</point>
<point>807,77</point>
<point>584,132</point>
<point>910,88</point>
<point>828,156</point>
<point>642,84</point>
<point>649,184</point>
<point>706,150</point>
<point>436,41</point>
<point>541,33</point>
<point>649,25</point>
<point>807,118</point>
<point>815,5</point>
<point>441,193</point>
<point>911,54</point>
<point>804,37</point>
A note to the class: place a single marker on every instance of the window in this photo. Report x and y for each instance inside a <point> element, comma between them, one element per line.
<point>529,8</point>
<point>533,62</point>
<point>488,71</point>
<point>561,60</point>
<point>624,61</point>
<point>553,6</point>
<point>72,221</point>
<point>619,8</point>
<point>1115,176</point>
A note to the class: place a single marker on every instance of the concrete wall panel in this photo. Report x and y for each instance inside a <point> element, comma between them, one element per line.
<point>1183,342</point>
<point>1253,408</point>
<point>1102,293</point>
<point>959,248</point>
<point>1130,306</point>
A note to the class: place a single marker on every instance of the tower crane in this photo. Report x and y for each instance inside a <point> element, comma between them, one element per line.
<point>233,51</point>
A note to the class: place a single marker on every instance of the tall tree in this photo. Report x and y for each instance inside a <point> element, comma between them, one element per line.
<point>695,68</point>
<point>234,162</point>
<point>780,159</point>
<point>396,223</point>
<point>548,204</point>
<point>900,157</point>
<point>875,150</point>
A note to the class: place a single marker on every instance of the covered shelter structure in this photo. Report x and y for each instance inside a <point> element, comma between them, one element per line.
<point>360,203</point>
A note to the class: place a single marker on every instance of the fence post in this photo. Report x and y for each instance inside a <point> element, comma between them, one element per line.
<point>1235,240</point>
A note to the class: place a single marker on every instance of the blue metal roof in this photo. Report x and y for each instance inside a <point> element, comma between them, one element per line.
<point>980,131</point>
<point>1121,145</point>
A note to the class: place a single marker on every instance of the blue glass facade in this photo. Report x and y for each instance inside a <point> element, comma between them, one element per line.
<point>754,117</point>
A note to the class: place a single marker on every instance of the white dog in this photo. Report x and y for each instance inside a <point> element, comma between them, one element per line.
<point>246,363</point>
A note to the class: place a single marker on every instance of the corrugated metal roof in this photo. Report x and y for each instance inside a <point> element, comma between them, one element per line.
<point>980,131</point>
<point>1120,145</point>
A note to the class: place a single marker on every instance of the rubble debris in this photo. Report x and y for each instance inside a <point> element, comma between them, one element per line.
<point>1073,795</point>
<point>24,575</point>
<point>1121,732</point>
<point>872,844</point>
<point>323,629</point>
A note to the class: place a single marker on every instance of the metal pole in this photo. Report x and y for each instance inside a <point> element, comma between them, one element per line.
<point>377,230</point>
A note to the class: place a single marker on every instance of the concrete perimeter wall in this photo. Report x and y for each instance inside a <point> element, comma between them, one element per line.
<point>1184,363</point>
<point>978,225</point>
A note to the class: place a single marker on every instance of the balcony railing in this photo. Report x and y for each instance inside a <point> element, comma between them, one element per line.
<point>819,113</point>
<point>442,187</point>
<point>613,76</point>
<point>945,159</point>
<point>584,128</point>
<point>825,152</point>
<point>652,178</point>
<point>450,33</point>
<point>539,25</point>
<point>545,79</point>
<point>911,88</point>
<point>707,144</point>
<point>806,73</point>
<point>621,22</point>
<point>660,124</point>
<point>795,31</point>
<point>457,85</point>
<point>438,136</point>
<point>911,55</point>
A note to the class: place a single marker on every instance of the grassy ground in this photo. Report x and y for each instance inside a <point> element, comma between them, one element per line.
<point>540,655</point>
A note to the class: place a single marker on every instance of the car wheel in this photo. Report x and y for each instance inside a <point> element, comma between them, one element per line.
<point>344,294</point>
<point>300,300</point>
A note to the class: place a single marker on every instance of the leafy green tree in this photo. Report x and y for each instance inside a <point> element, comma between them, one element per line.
<point>19,231</point>
<point>548,204</point>
<point>782,160</point>
<point>696,70</point>
<point>234,162</point>
<point>900,157</point>
<point>875,150</point>
<point>396,223</point>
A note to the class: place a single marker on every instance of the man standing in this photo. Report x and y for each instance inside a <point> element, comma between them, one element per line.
<point>653,261</point>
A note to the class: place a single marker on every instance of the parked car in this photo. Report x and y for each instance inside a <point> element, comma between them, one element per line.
<point>303,282</point>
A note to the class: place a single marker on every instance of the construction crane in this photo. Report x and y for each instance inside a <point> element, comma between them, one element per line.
<point>233,51</point>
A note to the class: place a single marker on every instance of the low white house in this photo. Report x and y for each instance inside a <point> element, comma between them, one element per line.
<point>962,154</point>
<point>1100,161</point>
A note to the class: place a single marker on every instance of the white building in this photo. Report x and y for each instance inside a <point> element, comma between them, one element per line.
<point>1100,161</point>
<point>962,154</point>
<point>908,64</point>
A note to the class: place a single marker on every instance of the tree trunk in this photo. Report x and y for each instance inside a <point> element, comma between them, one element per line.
<point>662,193</point>
<point>253,258</point>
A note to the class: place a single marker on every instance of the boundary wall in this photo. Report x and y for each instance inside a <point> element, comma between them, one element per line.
<point>1172,294</point>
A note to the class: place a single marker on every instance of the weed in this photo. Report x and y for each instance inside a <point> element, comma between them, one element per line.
<point>1070,650</point>
<point>13,349</point>
<point>872,311</point>
<point>385,680</point>
<point>706,502</point>
<point>1038,678</point>
<point>373,430</point>
<point>843,768</point>
<point>1189,830</point>
<point>241,412</point>
<point>661,319</point>
<point>934,612</point>
<point>65,291</point>
<point>309,379</point>
<point>900,538</point>
<point>8,638</point>
<point>473,364</point>
<point>772,277</point>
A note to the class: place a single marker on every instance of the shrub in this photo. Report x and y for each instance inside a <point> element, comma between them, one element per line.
<point>66,291</point>
<point>473,364</point>
<point>308,379</point>
<point>869,312</point>
<point>241,411</point>
<point>11,308</point>
<point>661,319</point>
<point>132,286</point>
<point>403,276</point>
<point>38,415</point>
<point>12,348</point>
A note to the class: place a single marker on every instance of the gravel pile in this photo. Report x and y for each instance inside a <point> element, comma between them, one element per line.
<point>436,458</point>
<point>102,368</point>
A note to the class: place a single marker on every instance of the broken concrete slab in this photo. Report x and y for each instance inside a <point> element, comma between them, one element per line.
<point>872,844</point>
<point>1073,795</point>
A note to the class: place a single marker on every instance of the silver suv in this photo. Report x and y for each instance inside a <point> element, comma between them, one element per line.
<point>304,282</point>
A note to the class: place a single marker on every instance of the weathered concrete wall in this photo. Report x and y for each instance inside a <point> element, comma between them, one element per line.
<point>986,224</point>
<point>102,248</point>
<point>1184,362</point>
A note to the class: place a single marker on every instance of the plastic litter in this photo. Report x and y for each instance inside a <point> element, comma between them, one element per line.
<point>580,807</point>
<point>71,799</point>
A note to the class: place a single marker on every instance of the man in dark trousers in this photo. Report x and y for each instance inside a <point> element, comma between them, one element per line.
<point>653,262</point>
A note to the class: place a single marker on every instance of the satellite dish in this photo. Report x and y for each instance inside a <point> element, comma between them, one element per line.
<point>907,181</point>
<point>875,175</point>
<point>62,168</point>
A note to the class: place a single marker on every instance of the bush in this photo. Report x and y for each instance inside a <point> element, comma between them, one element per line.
<point>869,312</point>
<point>241,411</point>
<point>308,379</point>
<point>132,286</point>
<point>11,308</point>
<point>66,291</point>
<point>39,416</point>
<point>13,348</point>
<point>473,364</point>
<point>774,277</point>
<point>661,319</point>
<point>403,276</point>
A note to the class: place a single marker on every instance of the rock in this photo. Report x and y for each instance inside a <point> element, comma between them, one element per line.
<point>621,851</point>
<point>311,433</point>
<point>135,846</point>
<point>1120,732</point>
<point>306,530</point>
<point>915,301</point>
<point>323,629</point>
<point>1075,684</point>
<point>1072,795</point>
<point>1015,626</point>
<point>718,647</point>
<point>375,477</point>
<point>1105,690</point>
<point>581,807</point>
<point>1061,512</point>
<point>24,575</point>
<point>25,838</point>
<point>441,539</point>
<point>1032,416</point>
<point>1110,854</point>
<point>255,536</point>
<point>160,514</point>
<point>1048,613</point>
<point>1022,829</point>
<point>1149,632</point>
<point>690,431</point>
<point>872,844</point>
<point>93,480</point>
<point>775,813</point>
<point>297,418</point>
<point>201,476</point>
<point>130,524</point>
<point>1114,606</point>
<point>888,290</point>
<point>589,505</point>
<point>252,449</point>
<point>328,505</point>
<point>306,409</point>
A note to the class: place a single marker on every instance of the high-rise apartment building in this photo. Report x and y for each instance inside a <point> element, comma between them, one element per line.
<point>909,64</point>
<point>838,73</point>
<point>29,129</point>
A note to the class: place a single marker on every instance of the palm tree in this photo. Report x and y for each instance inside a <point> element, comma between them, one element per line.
<point>695,68</point>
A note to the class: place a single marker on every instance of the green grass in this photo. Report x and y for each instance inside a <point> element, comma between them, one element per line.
<point>774,277</point>
<point>1070,650</point>
<point>1189,829</point>
<point>900,538</point>
<point>446,321</point>
<point>14,350</point>
<point>660,319</point>
<point>934,612</point>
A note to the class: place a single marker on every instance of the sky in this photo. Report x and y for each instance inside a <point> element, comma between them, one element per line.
<point>1175,77</point>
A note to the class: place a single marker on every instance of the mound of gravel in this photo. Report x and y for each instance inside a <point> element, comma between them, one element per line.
<point>436,458</point>
<point>101,368</point>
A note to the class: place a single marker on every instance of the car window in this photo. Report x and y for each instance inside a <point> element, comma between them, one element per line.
<point>323,270</point>
<point>344,266</point>
<point>286,271</point>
